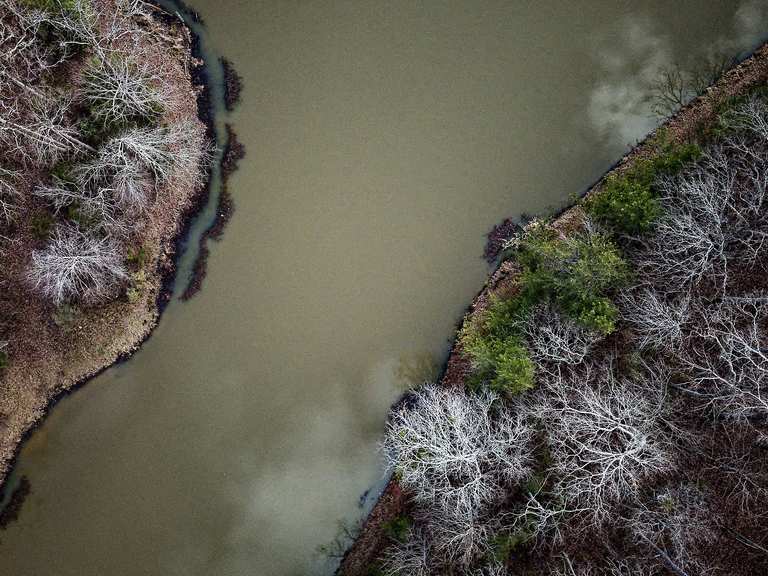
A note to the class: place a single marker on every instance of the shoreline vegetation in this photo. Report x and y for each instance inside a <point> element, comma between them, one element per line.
<point>233,85</point>
<point>602,410</point>
<point>105,163</point>
<point>234,151</point>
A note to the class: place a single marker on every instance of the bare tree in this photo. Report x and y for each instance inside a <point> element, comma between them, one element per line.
<point>74,23</point>
<point>492,568</point>
<point>10,196</point>
<point>77,267</point>
<point>454,451</point>
<point>131,187</point>
<point>612,567</point>
<point>95,206</point>
<point>78,19</point>
<point>411,557</point>
<point>736,456</point>
<point>728,360</point>
<point>34,121</point>
<point>554,340</point>
<point>459,541</point>
<point>77,24</point>
<point>543,515</point>
<point>37,129</point>
<point>120,89</point>
<point>108,189</point>
<point>677,525</point>
<point>751,115</point>
<point>440,544</point>
<point>676,86</point>
<point>691,237</point>
<point>605,440</point>
<point>148,147</point>
<point>160,151</point>
<point>670,92</point>
<point>59,193</point>
<point>118,29</point>
<point>83,24</point>
<point>23,58</point>
<point>118,184</point>
<point>657,319</point>
<point>713,217</point>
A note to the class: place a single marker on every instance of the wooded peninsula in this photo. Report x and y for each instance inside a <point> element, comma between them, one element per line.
<point>102,160</point>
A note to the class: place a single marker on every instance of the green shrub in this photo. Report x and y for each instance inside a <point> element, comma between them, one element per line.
<point>62,171</point>
<point>51,5</point>
<point>534,484</point>
<point>91,129</point>
<point>504,317</point>
<point>133,294</point>
<point>3,359</point>
<point>138,286</point>
<point>575,272</point>
<point>514,370</point>
<point>503,546</point>
<point>398,528</point>
<point>496,347</point>
<point>598,314</point>
<point>666,158</point>
<point>628,203</point>
<point>625,206</point>
<point>41,225</point>
<point>594,265</point>
<point>82,218</point>
<point>95,131</point>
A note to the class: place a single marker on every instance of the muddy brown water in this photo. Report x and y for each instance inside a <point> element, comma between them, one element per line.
<point>384,139</point>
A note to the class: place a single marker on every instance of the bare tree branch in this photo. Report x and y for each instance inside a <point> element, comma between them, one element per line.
<point>77,267</point>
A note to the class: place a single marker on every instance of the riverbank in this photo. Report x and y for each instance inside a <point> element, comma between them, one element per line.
<point>683,127</point>
<point>53,351</point>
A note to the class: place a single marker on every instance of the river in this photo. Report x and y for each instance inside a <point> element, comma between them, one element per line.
<point>384,139</point>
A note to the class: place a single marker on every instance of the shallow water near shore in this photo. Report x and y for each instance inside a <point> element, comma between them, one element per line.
<point>383,141</point>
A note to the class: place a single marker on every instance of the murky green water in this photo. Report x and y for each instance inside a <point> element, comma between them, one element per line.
<point>384,139</point>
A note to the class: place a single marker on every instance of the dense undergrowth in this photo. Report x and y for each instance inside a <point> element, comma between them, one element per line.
<point>617,420</point>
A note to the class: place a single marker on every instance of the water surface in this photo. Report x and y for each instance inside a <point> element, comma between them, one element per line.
<point>384,139</point>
